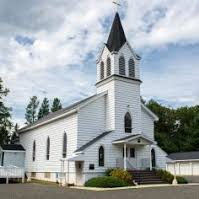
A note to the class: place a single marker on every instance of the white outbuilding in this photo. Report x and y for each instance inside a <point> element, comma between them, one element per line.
<point>184,164</point>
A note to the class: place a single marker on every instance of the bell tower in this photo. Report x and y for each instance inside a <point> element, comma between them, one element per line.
<point>118,73</point>
<point>117,57</point>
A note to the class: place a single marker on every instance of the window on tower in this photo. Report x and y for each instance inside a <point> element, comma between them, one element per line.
<point>128,123</point>
<point>108,66</point>
<point>121,65</point>
<point>102,70</point>
<point>131,68</point>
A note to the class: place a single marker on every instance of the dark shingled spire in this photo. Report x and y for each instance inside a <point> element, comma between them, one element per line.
<point>117,36</point>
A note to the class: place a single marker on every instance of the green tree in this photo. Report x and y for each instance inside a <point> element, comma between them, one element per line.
<point>15,136</point>
<point>177,129</point>
<point>56,105</point>
<point>44,109</point>
<point>5,116</point>
<point>31,110</point>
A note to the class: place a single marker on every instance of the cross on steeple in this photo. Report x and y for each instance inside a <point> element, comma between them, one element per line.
<point>117,4</point>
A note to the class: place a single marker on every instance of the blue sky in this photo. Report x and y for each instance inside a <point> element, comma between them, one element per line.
<point>53,55</point>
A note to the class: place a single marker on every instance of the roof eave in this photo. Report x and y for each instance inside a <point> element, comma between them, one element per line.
<point>71,112</point>
<point>147,110</point>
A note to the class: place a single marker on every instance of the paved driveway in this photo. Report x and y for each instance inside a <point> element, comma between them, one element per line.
<point>32,191</point>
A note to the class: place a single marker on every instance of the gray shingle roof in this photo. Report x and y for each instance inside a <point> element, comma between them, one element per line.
<point>55,114</point>
<point>12,147</point>
<point>127,137</point>
<point>193,155</point>
<point>93,141</point>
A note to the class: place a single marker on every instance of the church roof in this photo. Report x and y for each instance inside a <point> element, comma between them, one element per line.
<point>89,143</point>
<point>117,36</point>
<point>12,147</point>
<point>54,115</point>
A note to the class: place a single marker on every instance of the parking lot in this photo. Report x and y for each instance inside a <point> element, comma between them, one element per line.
<point>36,191</point>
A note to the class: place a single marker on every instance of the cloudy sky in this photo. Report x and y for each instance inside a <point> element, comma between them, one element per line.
<point>49,48</point>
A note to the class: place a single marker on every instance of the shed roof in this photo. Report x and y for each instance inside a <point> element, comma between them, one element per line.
<point>193,155</point>
<point>12,147</point>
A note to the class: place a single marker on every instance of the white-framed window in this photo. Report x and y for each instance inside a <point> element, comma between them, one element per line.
<point>128,123</point>
<point>108,66</point>
<point>131,68</point>
<point>48,149</point>
<point>101,156</point>
<point>34,151</point>
<point>64,150</point>
<point>102,70</point>
<point>122,66</point>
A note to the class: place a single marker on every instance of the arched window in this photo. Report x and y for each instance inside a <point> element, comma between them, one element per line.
<point>101,156</point>
<point>102,70</point>
<point>131,68</point>
<point>34,151</point>
<point>128,123</point>
<point>64,151</point>
<point>108,66</point>
<point>153,158</point>
<point>122,66</point>
<point>48,149</point>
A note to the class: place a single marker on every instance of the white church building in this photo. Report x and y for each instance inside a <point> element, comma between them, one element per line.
<point>111,129</point>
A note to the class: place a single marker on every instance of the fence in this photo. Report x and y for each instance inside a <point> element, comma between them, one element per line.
<point>12,172</point>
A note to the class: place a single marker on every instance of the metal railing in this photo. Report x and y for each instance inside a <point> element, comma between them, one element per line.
<point>120,163</point>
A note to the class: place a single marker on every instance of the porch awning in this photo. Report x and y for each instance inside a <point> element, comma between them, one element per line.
<point>76,157</point>
<point>136,139</point>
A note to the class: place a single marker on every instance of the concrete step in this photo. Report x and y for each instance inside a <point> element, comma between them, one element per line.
<point>146,177</point>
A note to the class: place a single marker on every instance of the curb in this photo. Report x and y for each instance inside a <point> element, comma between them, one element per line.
<point>133,187</point>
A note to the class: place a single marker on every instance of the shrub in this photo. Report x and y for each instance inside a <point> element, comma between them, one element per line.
<point>165,175</point>
<point>108,172</point>
<point>106,182</point>
<point>168,177</point>
<point>123,175</point>
<point>181,180</point>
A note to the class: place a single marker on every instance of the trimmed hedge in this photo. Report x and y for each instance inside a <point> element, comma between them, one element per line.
<point>168,177</point>
<point>106,182</point>
<point>122,174</point>
<point>181,180</point>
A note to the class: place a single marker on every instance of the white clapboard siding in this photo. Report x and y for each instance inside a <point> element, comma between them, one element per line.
<point>54,131</point>
<point>147,124</point>
<point>184,168</point>
<point>14,159</point>
<point>91,121</point>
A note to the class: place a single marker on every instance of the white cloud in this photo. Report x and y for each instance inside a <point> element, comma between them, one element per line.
<point>65,32</point>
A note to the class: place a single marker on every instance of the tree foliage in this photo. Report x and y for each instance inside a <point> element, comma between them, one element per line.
<point>5,116</point>
<point>56,105</point>
<point>31,110</point>
<point>44,109</point>
<point>177,129</point>
<point>15,136</point>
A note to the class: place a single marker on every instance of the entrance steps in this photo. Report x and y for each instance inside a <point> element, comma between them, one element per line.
<point>144,177</point>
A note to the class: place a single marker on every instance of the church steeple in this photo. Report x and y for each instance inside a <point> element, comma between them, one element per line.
<point>117,57</point>
<point>117,36</point>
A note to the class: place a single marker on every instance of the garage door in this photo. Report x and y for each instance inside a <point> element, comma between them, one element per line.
<point>185,169</point>
<point>196,168</point>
